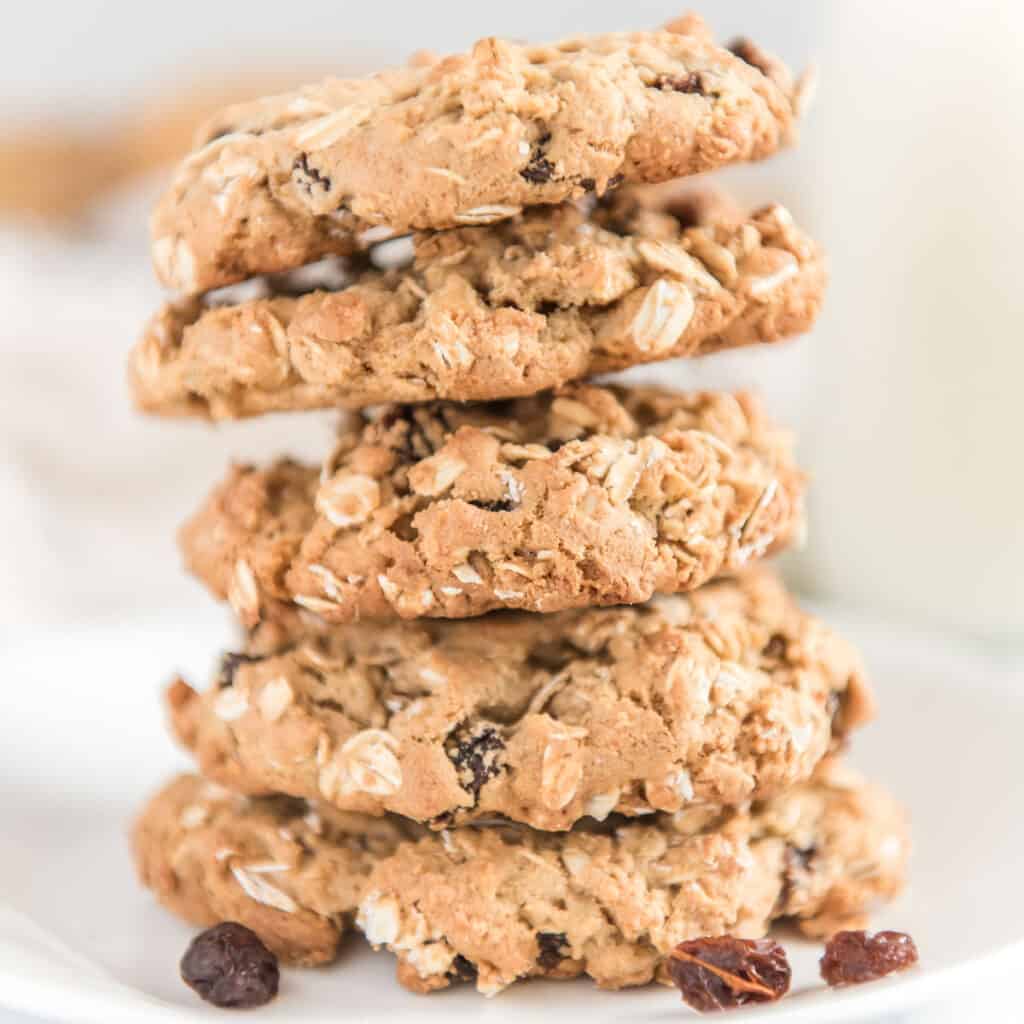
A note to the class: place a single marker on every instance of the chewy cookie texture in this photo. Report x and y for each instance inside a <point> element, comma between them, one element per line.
<point>715,698</point>
<point>480,313</point>
<point>291,873</point>
<point>498,903</point>
<point>588,496</point>
<point>470,139</point>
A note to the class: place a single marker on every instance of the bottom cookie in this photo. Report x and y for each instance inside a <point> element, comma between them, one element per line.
<point>495,903</point>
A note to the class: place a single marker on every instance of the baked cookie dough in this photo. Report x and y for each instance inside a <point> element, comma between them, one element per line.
<point>292,874</point>
<point>586,496</point>
<point>470,139</point>
<point>490,312</point>
<point>496,905</point>
<point>718,697</point>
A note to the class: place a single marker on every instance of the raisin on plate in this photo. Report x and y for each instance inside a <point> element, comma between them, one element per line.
<point>228,965</point>
<point>722,972</point>
<point>854,957</point>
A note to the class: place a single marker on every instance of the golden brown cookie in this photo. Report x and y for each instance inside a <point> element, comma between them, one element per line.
<point>292,874</point>
<point>718,697</point>
<point>587,496</point>
<point>471,139</point>
<point>494,905</point>
<point>489,312</point>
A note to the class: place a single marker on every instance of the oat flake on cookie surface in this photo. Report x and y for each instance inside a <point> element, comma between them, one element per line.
<point>580,497</point>
<point>470,139</point>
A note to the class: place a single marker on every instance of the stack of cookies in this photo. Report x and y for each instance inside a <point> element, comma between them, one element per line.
<point>514,697</point>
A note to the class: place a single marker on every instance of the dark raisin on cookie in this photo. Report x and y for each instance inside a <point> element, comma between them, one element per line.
<point>722,972</point>
<point>853,957</point>
<point>476,755</point>
<point>688,83</point>
<point>504,505</point>
<point>462,969</point>
<point>228,965</point>
<point>539,169</point>
<point>229,664</point>
<point>552,949</point>
<point>308,176</point>
<point>776,648</point>
<point>750,53</point>
<point>796,863</point>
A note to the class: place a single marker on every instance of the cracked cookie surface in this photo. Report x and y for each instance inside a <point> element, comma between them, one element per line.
<point>494,905</point>
<point>725,695</point>
<point>587,496</point>
<point>494,312</point>
<point>292,874</point>
<point>470,139</point>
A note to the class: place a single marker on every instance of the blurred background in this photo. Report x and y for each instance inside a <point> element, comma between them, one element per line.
<point>906,396</point>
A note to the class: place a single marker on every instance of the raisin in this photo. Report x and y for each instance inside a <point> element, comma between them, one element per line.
<point>403,528</point>
<point>308,176</point>
<point>750,53</point>
<point>228,965</point>
<point>462,969</point>
<point>691,83</point>
<point>721,972</point>
<point>476,757</point>
<point>504,505</point>
<point>854,957</point>
<point>588,184</point>
<point>776,648</point>
<point>553,948</point>
<point>539,169</point>
<point>229,664</point>
<point>796,865</point>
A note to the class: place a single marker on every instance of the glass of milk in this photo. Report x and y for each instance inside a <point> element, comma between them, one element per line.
<point>909,396</point>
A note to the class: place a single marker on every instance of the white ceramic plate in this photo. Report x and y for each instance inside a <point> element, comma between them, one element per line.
<point>82,742</point>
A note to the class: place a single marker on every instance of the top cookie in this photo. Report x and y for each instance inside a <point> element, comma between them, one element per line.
<point>470,139</point>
